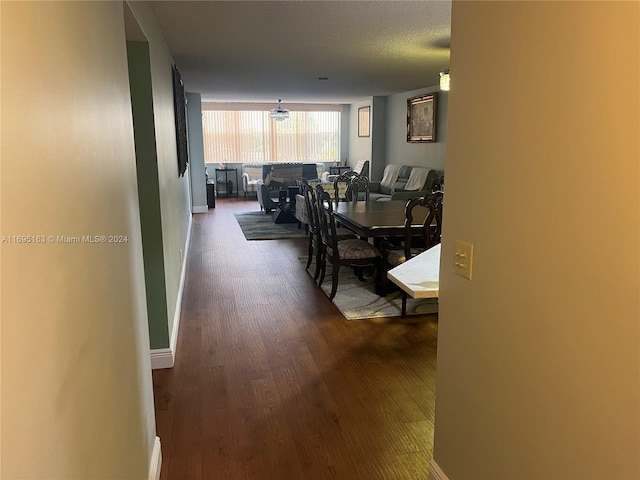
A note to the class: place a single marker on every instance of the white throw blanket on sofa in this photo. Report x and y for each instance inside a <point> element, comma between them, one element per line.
<point>390,175</point>
<point>417,177</point>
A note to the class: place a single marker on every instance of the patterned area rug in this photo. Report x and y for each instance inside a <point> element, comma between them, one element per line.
<point>260,226</point>
<point>357,299</point>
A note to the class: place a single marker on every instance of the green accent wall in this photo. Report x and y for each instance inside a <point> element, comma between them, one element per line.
<point>148,192</point>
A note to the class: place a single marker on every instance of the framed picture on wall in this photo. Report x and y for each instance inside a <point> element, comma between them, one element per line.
<point>421,118</point>
<point>180,108</point>
<point>363,121</point>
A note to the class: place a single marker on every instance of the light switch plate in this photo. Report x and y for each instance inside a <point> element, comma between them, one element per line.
<point>463,260</point>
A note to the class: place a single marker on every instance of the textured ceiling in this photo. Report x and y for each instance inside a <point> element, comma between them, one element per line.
<point>261,51</point>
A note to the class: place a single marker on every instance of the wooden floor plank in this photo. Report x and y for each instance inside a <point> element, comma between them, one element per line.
<point>271,382</point>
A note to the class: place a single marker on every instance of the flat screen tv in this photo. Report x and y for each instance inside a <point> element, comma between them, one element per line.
<point>180,107</point>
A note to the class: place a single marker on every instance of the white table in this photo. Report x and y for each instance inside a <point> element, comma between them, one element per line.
<point>419,276</point>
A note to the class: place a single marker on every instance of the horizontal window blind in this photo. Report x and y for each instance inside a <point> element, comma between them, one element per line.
<point>254,107</point>
<point>237,136</point>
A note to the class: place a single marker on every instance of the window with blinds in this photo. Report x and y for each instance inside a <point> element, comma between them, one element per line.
<point>247,136</point>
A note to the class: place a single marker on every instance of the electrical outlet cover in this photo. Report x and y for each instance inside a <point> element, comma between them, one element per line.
<point>463,260</point>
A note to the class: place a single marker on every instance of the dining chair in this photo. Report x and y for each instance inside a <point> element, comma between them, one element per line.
<point>342,233</point>
<point>351,252</point>
<point>438,186</point>
<point>429,235</point>
<point>315,243</point>
<point>301,212</point>
<point>358,188</point>
<point>342,186</point>
<point>315,240</point>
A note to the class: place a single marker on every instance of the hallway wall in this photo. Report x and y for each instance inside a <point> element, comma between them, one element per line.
<point>77,398</point>
<point>175,203</point>
<point>538,373</point>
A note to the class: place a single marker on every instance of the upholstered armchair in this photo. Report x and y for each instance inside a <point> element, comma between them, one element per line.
<point>265,199</point>
<point>251,178</point>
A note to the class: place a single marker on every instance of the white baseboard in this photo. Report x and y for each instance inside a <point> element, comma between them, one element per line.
<point>156,461</point>
<point>200,209</point>
<point>165,357</point>
<point>435,472</point>
<point>183,274</point>
<point>161,358</point>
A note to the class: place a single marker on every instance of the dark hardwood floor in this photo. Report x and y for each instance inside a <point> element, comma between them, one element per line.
<point>272,383</point>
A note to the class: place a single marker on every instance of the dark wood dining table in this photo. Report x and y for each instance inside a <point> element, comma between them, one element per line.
<point>375,219</point>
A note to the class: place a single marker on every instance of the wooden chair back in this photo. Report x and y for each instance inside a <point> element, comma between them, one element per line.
<point>342,186</point>
<point>326,220</point>
<point>310,203</point>
<point>359,184</point>
<point>431,231</point>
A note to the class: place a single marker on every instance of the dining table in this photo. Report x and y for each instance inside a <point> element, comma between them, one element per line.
<point>377,219</point>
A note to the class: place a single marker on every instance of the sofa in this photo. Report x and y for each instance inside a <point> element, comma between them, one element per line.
<point>404,182</point>
<point>278,175</point>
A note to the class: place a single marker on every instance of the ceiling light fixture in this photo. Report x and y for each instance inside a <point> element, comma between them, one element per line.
<point>279,114</point>
<point>444,80</point>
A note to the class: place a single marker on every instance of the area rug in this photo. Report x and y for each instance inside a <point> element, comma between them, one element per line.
<point>357,299</point>
<point>260,226</point>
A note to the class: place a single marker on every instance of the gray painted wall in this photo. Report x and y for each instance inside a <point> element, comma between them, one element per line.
<point>359,147</point>
<point>398,150</point>
<point>196,153</point>
<point>388,142</point>
<point>379,136</point>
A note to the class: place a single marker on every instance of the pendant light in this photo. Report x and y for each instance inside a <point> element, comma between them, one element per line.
<point>279,114</point>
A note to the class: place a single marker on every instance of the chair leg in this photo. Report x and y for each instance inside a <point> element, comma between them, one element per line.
<point>382,283</point>
<point>318,262</point>
<point>310,252</point>
<point>323,267</point>
<point>404,303</point>
<point>334,281</point>
<point>380,278</point>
